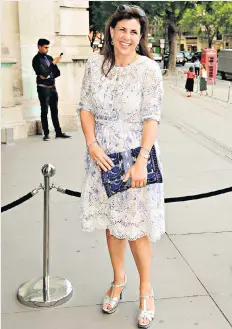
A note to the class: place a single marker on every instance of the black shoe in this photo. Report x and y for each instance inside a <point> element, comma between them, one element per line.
<point>46,138</point>
<point>62,135</point>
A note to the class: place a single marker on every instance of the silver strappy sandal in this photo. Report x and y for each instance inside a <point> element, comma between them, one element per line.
<point>149,315</point>
<point>113,301</point>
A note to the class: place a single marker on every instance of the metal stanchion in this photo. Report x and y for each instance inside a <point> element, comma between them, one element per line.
<point>212,87</point>
<point>228,99</point>
<point>46,291</point>
<point>198,84</point>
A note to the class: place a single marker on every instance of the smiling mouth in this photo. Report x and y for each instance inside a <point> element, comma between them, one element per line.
<point>124,44</point>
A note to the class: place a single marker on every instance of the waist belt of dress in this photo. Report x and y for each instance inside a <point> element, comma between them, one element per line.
<point>112,123</point>
<point>45,86</point>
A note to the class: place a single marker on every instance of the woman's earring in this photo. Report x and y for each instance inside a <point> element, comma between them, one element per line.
<point>137,48</point>
<point>112,42</point>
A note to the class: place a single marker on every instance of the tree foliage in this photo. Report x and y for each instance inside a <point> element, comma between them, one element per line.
<point>210,18</point>
<point>172,12</point>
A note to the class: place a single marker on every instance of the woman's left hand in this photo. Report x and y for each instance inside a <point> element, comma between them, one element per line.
<point>137,173</point>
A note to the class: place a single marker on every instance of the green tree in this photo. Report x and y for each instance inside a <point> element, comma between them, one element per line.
<point>172,13</point>
<point>210,18</point>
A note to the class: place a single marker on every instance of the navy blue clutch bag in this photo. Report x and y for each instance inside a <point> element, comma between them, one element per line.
<point>113,179</point>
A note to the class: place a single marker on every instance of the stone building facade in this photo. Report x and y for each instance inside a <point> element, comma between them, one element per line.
<point>227,40</point>
<point>188,41</point>
<point>65,23</point>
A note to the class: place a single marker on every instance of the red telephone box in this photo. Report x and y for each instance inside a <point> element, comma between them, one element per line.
<point>209,58</point>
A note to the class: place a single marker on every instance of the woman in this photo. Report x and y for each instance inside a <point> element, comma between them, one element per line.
<point>120,110</point>
<point>203,80</point>
<point>190,81</point>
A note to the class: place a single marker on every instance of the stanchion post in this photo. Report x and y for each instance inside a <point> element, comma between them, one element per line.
<point>212,88</point>
<point>45,291</point>
<point>228,99</point>
<point>48,171</point>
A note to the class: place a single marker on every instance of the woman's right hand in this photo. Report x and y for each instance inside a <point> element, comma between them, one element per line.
<point>100,157</point>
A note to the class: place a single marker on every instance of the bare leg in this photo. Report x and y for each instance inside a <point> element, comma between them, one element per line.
<point>117,254</point>
<point>142,253</point>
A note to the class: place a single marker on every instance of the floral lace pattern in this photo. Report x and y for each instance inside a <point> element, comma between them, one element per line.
<point>120,103</point>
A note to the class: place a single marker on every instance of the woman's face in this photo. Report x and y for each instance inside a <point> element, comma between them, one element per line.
<point>126,36</point>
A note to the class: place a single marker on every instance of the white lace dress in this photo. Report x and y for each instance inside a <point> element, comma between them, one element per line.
<point>120,103</point>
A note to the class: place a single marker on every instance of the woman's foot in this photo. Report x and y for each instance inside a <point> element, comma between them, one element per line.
<point>146,309</point>
<point>113,295</point>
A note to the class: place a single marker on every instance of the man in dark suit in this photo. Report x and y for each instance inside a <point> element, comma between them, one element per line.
<point>47,71</point>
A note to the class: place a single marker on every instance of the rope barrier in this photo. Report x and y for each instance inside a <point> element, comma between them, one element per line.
<point>78,195</point>
<point>27,293</point>
<point>198,196</point>
<point>166,200</point>
<point>68,192</point>
<point>20,200</point>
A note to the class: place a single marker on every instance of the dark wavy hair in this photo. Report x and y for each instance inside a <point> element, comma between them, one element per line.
<point>108,49</point>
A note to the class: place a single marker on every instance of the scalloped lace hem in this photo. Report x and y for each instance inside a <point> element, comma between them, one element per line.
<point>153,236</point>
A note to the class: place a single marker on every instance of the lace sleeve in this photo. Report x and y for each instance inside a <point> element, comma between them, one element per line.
<point>152,93</point>
<point>85,98</point>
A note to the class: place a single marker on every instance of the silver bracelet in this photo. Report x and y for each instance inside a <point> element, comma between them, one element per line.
<point>142,147</point>
<point>143,156</point>
<point>88,145</point>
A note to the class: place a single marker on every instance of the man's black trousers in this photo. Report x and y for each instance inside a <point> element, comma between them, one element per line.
<point>197,70</point>
<point>49,97</point>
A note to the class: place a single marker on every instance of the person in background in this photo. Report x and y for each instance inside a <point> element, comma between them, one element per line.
<point>166,61</point>
<point>47,71</point>
<point>197,66</point>
<point>203,80</point>
<point>190,81</point>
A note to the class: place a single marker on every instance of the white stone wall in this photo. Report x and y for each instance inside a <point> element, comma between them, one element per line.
<point>10,42</point>
<point>36,20</point>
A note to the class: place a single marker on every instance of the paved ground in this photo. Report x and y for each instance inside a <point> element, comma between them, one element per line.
<point>192,266</point>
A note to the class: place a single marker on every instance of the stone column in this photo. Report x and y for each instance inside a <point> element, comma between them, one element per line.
<point>10,43</point>
<point>36,20</point>
<point>13,126</point>
<point>7,87</point>
<point>71,38</point>
<point>69,93</point>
